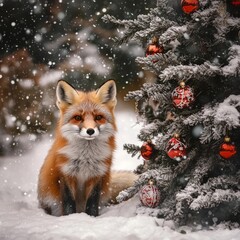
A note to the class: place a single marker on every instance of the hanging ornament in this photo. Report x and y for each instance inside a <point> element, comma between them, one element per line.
<point>154,48</point>
<point>147,150</point>
<point>182,96</point>
<point>150,195</point>
<point>227,149</point>
<point>233,7</point>
<point>176,149</point>
<point>189,6</point>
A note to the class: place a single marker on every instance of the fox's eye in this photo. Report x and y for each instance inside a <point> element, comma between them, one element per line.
<point>98,117</point>
<point>78,118</point>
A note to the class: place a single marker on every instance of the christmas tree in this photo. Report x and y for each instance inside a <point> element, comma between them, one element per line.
<point>190,114</point>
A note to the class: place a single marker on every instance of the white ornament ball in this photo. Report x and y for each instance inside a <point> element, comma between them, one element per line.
<point>149,196</point>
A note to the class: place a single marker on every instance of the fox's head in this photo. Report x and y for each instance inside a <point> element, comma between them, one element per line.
<point>86,115</point>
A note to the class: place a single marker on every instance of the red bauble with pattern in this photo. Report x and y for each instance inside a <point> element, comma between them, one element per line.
<point>183,97</point>
<point>147,150</point>
<point>176,149</point>
<point>227,150</point>
<point>189,6</point>
<point>149,196</point>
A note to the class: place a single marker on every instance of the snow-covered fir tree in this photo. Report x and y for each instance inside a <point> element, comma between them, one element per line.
<point>200,50</point>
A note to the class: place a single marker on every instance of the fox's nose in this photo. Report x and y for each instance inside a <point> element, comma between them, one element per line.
<point>90,131</point>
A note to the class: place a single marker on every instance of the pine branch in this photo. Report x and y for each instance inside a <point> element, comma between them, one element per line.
<point>158,62</point>
<point>185,197</point>
<point>205,17</point>
<point>153,129</point>
<point>209,193</point>
<point>158,92</point>
<point>142,22</point>
<point>168,206</point>
<point>143,27</point>
<point>132,149</point>
<point>172,33</point>
<point>233,67</point>
<point>218,119</point>
<point>134,95</point>
<point>157,26</point>
<point>212,199</point>
<point>225,24</point>
<point>196,72</point>
<point>183,165</point>
<point>149,131</point>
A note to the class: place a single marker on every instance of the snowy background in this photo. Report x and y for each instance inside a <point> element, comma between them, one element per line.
<point>21,219</point>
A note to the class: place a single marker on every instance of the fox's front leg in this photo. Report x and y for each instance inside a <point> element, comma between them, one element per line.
<point>88,197</point>
<point>92,207</point>
<point>81,199</point>
<point>68,203</point>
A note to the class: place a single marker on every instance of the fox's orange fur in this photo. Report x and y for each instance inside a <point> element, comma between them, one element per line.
<point>76,171</point>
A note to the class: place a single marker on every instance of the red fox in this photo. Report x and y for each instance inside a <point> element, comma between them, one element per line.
<point>76,175</point>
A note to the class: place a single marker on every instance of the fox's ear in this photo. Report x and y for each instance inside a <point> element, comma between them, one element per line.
<point>107,93</point>
<point>65,94</point>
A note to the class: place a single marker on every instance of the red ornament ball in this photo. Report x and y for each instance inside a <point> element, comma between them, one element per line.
<point>154,48</point>
<point>176,149</point>
<point>182,96</point>
<point>235,2</point>
<point>149,196</point>
<point>189,6</point>
<point>147,150</point>
<point>227,149</point>
<point>233,7</point>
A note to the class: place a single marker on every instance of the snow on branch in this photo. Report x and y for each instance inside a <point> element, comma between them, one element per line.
<point>143,27</point>
<point>227,112</point>
<point>158,92</point>
<point>233,67</point>
<point>233,23</point>
<point>141,22</point>
<point>157,62</point>
<point>131,26</point>
<point>205,17</point>
<point>198,72</point>
<point>134,95</point>
<point>215,191</point>
<point>217,119</point>
<point>226,24</point>
<point>213,199</point>
<point>186,196</point>
<point>157,25</point>
<point>149,130</point>
<point>172,33</point>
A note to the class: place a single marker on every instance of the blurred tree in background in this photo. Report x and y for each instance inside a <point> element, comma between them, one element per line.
<point>43,41</point>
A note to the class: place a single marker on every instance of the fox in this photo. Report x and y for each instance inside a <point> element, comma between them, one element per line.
<point>76,174</point>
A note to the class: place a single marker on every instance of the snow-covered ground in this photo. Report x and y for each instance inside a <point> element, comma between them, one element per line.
<point>21,219</point>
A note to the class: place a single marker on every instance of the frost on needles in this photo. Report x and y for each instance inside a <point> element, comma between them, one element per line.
<point>203,49</point>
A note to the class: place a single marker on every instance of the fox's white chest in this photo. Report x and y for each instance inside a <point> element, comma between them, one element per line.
<point>87,159</point>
